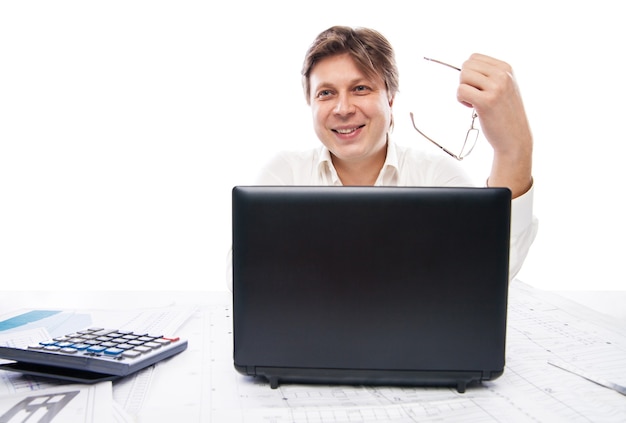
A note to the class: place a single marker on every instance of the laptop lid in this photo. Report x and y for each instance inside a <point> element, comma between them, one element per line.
<point>370,285</point>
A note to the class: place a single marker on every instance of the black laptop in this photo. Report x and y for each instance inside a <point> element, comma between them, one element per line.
<point>370,285</point>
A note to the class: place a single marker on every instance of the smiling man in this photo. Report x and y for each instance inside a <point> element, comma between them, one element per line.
<point>350,80</point>
<point>351,116</point>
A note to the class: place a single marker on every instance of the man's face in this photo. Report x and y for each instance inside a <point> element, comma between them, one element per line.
<point>351,111</point>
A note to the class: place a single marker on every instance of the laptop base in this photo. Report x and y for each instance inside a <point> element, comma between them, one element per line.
<point>459,379</point>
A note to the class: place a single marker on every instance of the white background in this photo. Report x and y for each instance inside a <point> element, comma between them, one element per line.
<point>125,124</point>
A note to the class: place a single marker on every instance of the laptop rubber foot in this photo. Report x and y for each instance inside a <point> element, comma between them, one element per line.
<point>273,382</point>
<point>461,386</point>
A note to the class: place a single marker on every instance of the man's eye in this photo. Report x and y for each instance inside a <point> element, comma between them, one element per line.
<point>361,88</point>
<point>324,93</point>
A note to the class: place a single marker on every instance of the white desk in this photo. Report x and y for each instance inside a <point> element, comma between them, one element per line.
<point>201,384</point>
<point>610,303</point>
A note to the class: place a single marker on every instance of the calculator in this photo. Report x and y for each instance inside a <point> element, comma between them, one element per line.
<point>92,355</point>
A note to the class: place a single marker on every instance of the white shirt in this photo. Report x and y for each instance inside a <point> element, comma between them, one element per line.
<point>403,166</point>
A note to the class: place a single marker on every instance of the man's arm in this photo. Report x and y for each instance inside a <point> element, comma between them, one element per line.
<point>489,86</point>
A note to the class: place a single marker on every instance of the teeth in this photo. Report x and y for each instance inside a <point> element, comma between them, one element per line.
<point>345,131</point>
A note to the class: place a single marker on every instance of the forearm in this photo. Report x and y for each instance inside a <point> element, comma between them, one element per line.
<point>512,170</point>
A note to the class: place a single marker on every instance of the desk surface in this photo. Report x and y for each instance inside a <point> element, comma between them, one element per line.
<point>201,384</point>
<point>611,303</point>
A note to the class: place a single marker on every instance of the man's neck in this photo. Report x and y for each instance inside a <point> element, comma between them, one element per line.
<point>362,172</point>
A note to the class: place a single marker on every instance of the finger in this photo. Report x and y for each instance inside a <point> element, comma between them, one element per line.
<point>481,61</point>
<point>485,84</point>
<point>467,95</point>
<point>484,71</point>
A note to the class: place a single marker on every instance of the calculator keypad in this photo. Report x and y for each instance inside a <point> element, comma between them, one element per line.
<point>106,343</point>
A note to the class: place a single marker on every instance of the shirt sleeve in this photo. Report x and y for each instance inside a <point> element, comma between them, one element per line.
<point>288,168</point>
<point>524,227</point>
<point>276,172</point>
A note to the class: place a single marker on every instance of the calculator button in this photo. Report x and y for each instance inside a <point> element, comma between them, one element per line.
<point>125,346</point>
<point>131,354</point>
<point>80,346</point>
<point>152,345</point>
<point>35,347</point>
<point>115,335</point>
<point>130,337</point>
<point>102,332</point>
<point>51,348</point>
<point>113,351</point>
<point>69,350</point>
<point>95,349</point>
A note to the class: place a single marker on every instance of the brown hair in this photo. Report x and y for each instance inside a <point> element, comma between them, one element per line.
<point>371,52</point>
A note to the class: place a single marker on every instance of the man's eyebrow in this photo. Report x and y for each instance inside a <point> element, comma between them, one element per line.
<point>323,85</point>
<point>356,81</point>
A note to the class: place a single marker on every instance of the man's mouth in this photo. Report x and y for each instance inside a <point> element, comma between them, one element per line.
<point>346,131</point>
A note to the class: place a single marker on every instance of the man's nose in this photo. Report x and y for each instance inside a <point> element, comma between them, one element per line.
<point>344,105</point>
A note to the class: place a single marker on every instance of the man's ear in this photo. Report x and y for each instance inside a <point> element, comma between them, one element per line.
<point>391,112</point>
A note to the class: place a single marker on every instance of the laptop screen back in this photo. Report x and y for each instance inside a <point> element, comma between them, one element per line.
<point>391,285</point>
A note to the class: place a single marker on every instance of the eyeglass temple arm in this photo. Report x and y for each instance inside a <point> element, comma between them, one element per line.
<point>433,141</point>
<point>442,63</point>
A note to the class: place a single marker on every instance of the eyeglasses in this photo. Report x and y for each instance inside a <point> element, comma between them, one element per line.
<point>470,137</point>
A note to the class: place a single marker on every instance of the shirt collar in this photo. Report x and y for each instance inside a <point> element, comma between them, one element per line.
<point>326,170</point>
<point>388,174</point>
